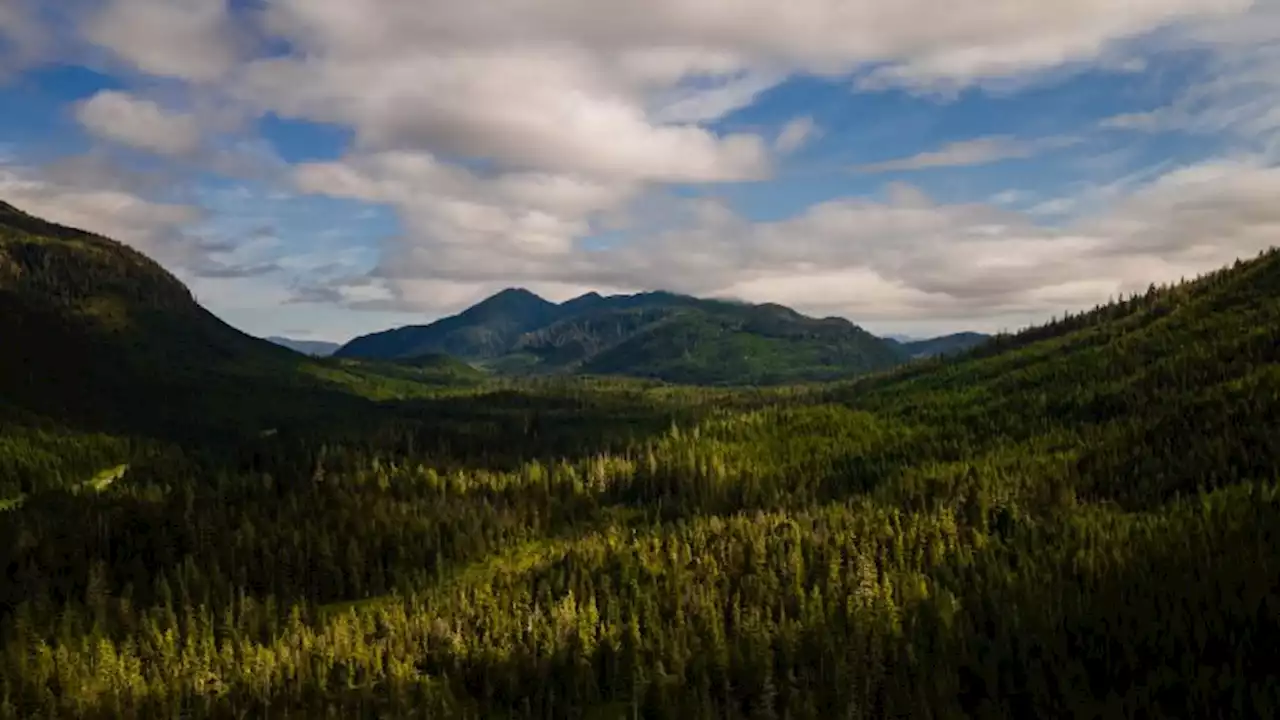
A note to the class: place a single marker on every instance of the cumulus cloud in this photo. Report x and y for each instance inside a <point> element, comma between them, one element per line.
<point>22,37</point>
<point>186,39</point>
<point>459,218</point>
<point>90,194</point>
<point>519,140</point>
<point>978,151</point>
<point>562,86</point>
<point>907,257</point>
<point>901,258</point>
<point>139,123</point>
<point>548,110</point>
<point>155,228</point>
<point>818,35</point>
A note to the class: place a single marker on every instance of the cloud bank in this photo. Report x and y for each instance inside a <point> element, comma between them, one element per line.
<point>510,137</point>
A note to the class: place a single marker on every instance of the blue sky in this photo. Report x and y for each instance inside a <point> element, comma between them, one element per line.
<point>321,169</point>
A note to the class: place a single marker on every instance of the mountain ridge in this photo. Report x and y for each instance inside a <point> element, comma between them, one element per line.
<point>516,331</point>
<point>942,345</point>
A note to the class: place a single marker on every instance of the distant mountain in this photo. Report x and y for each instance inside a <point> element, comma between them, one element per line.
<point>658,335</point>
<point>314,348</point>
<point>485,330</point>
<point>945,345</point>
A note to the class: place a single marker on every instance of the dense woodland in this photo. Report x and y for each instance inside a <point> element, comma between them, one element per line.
<point>1079,520</point>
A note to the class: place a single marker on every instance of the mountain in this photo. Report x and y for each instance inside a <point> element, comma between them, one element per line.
<point>101,340</point>
<point>87,320</point>
<point>314,348</point>
<point>656,335</point>
<point>485,330</point>
<point>945,345</point>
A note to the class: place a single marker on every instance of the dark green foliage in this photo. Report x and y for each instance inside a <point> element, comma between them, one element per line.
<point>1079,521</point>
<point>653,335</point>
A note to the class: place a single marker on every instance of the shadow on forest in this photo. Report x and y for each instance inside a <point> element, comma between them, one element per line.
<point>1084,642</point>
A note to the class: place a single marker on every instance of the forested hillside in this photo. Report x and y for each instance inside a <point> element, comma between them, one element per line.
<point>655,335</point>
<point>1079,520</point>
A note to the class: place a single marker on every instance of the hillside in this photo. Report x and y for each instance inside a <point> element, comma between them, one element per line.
<point>1079,520</point>
<point>103,345</point>
<point>743,344</point>
<point>1172,391</point>
<point>88,321</point>
<point>656,335</point>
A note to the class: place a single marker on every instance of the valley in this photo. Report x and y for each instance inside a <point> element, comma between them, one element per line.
<point>648,506</point>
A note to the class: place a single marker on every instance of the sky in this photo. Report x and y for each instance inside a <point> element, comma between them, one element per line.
<point>321,169</point>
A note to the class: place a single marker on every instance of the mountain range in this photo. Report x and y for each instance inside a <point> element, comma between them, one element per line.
<point>659,335</point>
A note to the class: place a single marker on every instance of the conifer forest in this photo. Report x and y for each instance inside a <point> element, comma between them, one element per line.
<point>1081,519</point>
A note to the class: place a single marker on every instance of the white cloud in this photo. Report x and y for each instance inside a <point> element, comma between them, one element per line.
<point>153,228</point>
<point>795,134</point>
<point>506,134</point>
<point>904,259</point>
<point>1236,92</point>
<point>820,35</point>
<point>90,194</point>
<point>139,123</point>
<point>187,39</point>
<point>22,37</point>
<point>532,109</point>
<point>566,86</point>
<point>464,227</point>
<point>978,151</point>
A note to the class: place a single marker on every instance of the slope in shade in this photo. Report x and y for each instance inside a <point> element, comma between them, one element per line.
<point>100,337</point>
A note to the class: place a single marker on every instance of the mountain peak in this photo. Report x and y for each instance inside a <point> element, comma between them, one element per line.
<point>583,298</point>
<point>515,293</point>
<point>511,301</point>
